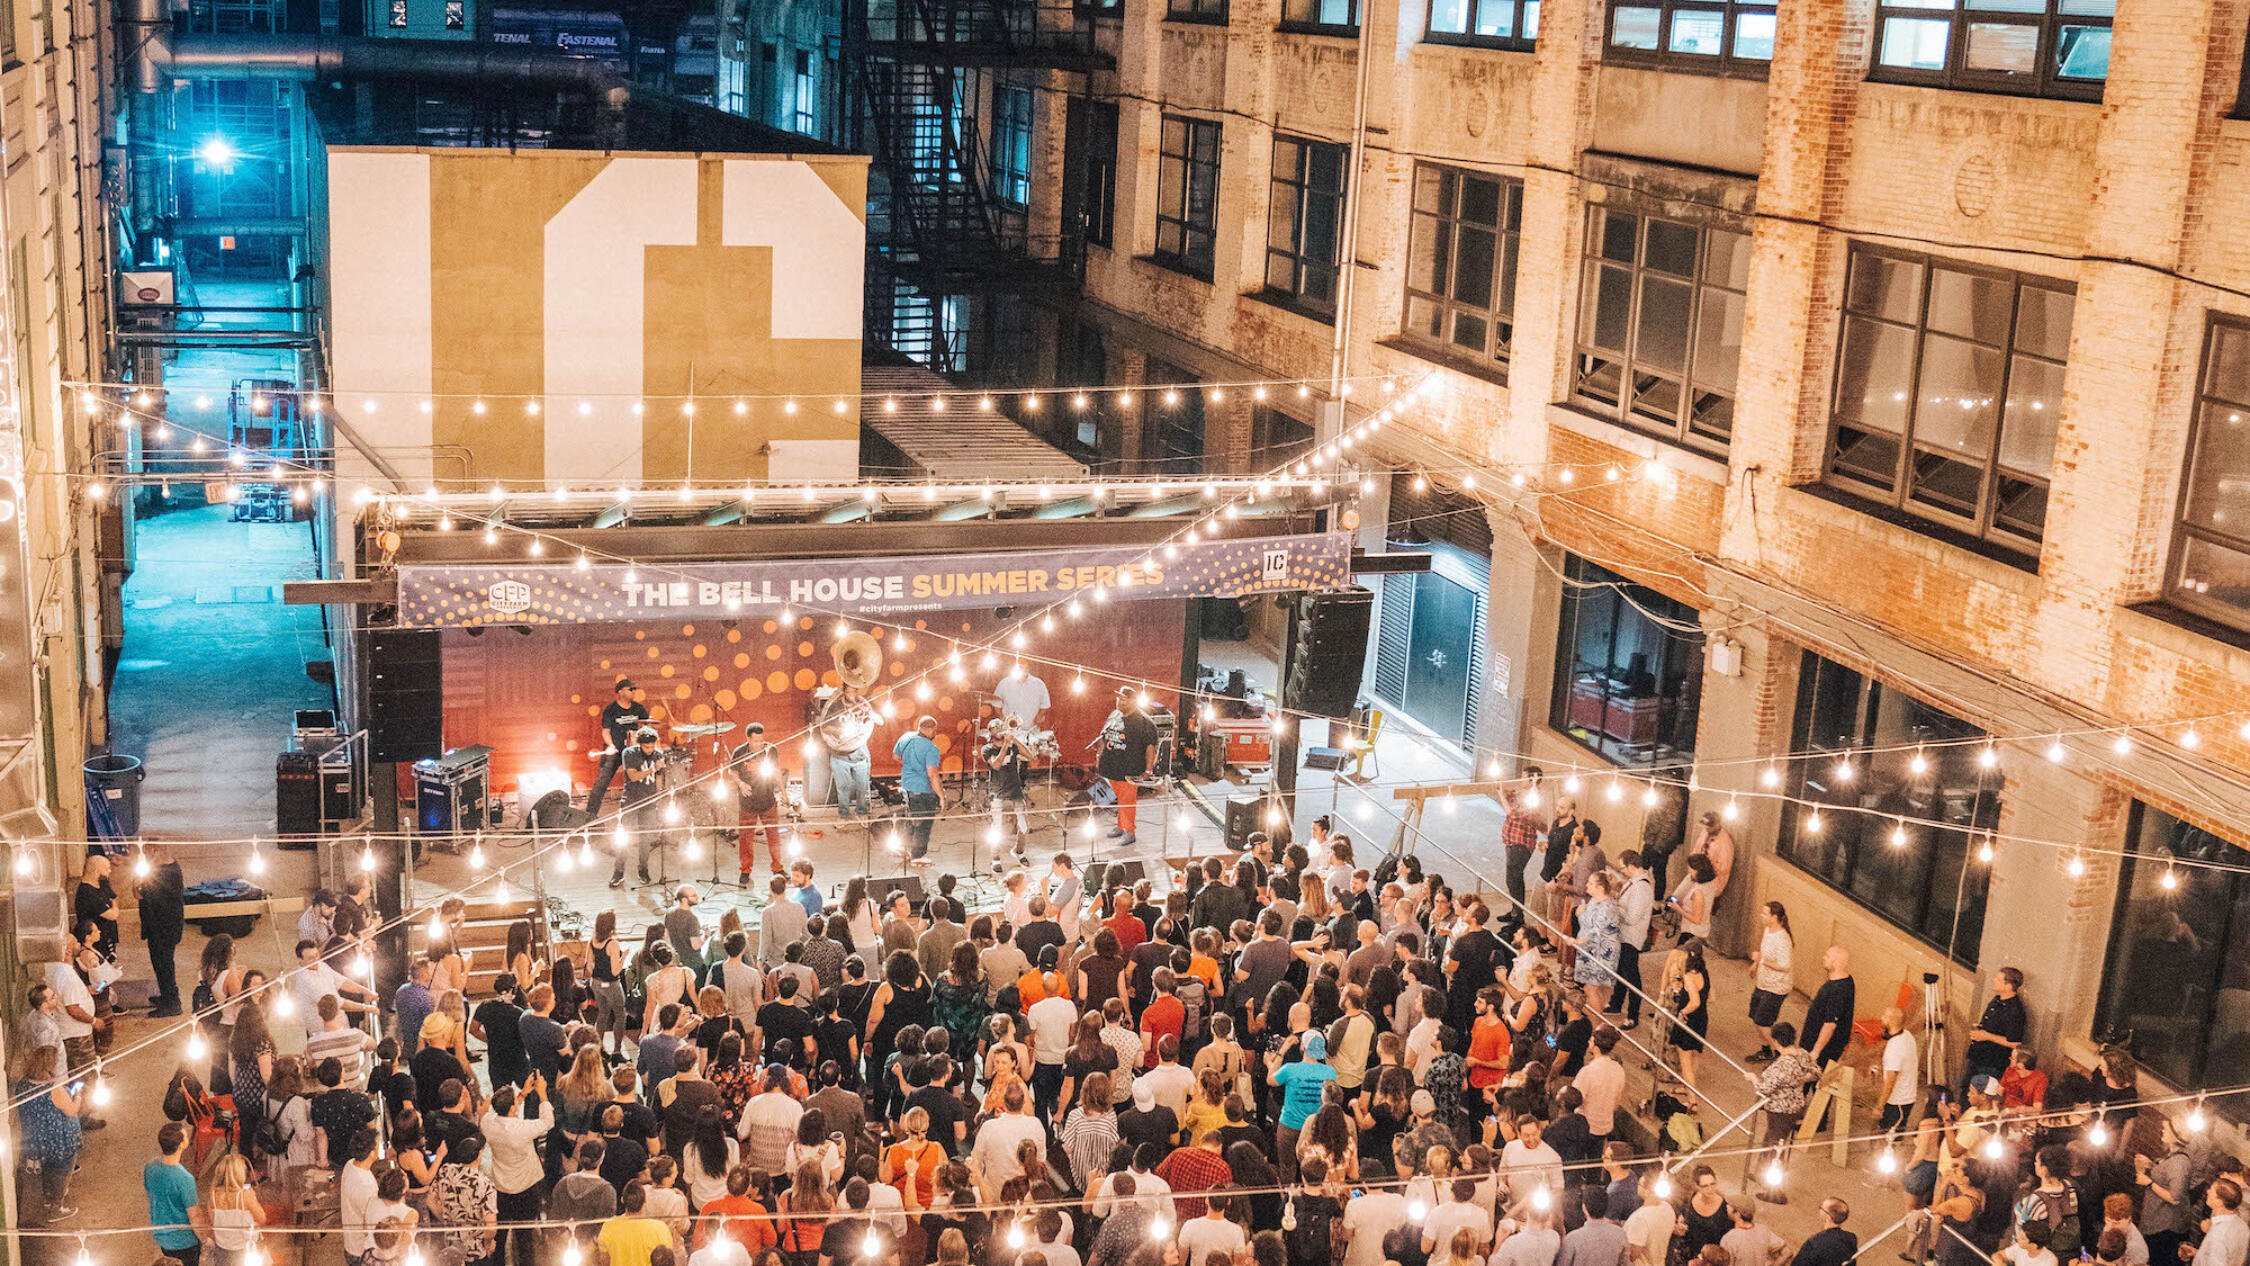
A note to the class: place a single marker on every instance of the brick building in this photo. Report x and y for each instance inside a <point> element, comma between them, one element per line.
<point>1840,376</point>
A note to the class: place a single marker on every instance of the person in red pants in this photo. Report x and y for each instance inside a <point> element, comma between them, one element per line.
<point>759,784</point>
<point>1128,750</point>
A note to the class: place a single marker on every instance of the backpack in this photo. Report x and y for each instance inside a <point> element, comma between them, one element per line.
<point>2059,1210</point>
<point>269,1138</point>
<point>1193,999</point>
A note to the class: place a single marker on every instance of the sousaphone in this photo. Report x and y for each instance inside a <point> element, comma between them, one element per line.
<point>859,659</point>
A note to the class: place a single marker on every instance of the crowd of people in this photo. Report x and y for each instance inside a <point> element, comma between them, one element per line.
<point>1284,1059</point>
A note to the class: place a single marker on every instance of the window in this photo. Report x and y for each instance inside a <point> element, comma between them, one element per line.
<point>1721,35</point>
<point>2179,956</point>
<point>1011,145</point>
<point>1948,388</point>
<point>1633,662</point>
<point>1305,222</point>
<point>1505,23</point>
<point>1090,168</point>
<point>1461,262</point>
<point>1660,325</point>
<point>1213,11</point>
<point>1178,446</point>
<point>1187,194</point>
<point>1886,856</point>
<point>2210,572</point>
<point>802,116</point>
<point>1276,439</point>
<point>1318,15</point>
<point>2036,48</point>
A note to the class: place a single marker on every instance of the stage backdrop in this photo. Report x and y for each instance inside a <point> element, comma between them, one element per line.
<point>536,696</point>
<point>579,282</point>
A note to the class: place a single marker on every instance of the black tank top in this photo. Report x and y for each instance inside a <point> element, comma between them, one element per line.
<point>602,969</point>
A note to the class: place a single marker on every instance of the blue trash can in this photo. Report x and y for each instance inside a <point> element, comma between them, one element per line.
<point>113,796</point>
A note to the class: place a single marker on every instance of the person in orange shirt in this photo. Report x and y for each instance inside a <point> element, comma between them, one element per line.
<point>1204,965</point>
<point>741,1214</point>
<point>1032,985</point>
<point>914,1160</point>
<point>1488,1041</point>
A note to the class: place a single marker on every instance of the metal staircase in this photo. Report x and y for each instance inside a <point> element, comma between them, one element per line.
<point>936,226</point>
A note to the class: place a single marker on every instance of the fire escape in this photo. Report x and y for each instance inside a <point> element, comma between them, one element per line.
<point>943,243</point>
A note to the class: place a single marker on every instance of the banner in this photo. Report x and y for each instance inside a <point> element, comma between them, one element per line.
<point>456,595</point>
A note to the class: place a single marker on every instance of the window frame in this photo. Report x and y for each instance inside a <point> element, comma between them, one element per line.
<point>1581,577</point>
<point>1507,255</point>
<point>1520,41</point>
<point>1099,196</point>
<point>1980,527</point>
<point>1294,193</point>
<point>2109,1010</point>
<point>2185,532</point>
<point>1682,429</point>
<point>1196,12</point>
<point>1956,75</point>
<point>1313,25</point>
<point>1180,440</point>
<point>1807,785</point>
<point>1729,62</point>
<point>1184,166</point>
<point>804,113</point>
<point>1012,123</point>
<point>1267,452</point>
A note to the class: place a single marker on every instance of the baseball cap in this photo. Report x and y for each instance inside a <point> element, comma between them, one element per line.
<point>1985,1085</point>
<point>1423,1103</point>
<point>1144,1095</point>
<point>1316,1046</point>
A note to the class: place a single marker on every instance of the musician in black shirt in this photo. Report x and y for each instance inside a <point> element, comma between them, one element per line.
<point>1128,746</point>
<point>620,717</point>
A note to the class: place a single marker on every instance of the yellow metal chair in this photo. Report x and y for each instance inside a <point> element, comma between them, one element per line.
<point>1362,746</point>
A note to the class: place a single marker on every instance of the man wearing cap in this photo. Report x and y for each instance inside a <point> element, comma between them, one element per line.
<point>918,759</point>
<point>1128,751</point>
<point>621,716</point>
<point>759,783</point>
<point>1302,1084</point>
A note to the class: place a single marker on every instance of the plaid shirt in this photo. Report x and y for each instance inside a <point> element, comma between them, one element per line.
<point>1522,828</point>
<point>1193,1169</point>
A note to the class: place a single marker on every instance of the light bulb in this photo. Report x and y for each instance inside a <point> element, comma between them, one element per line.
<point>586,853</point>
<point>1416,1210</point>
<point>572,1255</point>
<point>1542,1199</point>
<point>1570,784</point>
<point>1730,810</point>
<point>1984,852</point>
<point>414,1255</point>
<point>283,1008</point>
<point>563,865</point>
<point>2122,745</point>
<point>1614,792</point>
<point>1918,764</point>
<point>1530,795</point>
<point>2097,1134</point>
<point>1773,1176</point>
<point>895,842</point>
<point>257,861</point>
<point>992,835</point>
<point>1898,834</point>
<point>435,928</point>
<point>1844,771</point>
<point>693,849</point>
<point>23,861</point>
<point>2075,867</point>
<point>671,812</point>
<point>2170,880</point>
<point>101,1089</point>
<point>84,1258</point>
<point>367,860</point>
<point>476,857</point>
<point>1088,830</point>
<point>500,888</point>
<point>141,868</point>
<point>363,966</point>
<point>619,838</point>
<point>2055,752</point>
<point>1994,1148</point>
<point>871,1245</point>
<point>2190,739</point>
<point>1769,777</point>
<point>1812,822</point>
<point>1886,1162</point>
<point>1015,1235</point>
<point>2196,1121</point>
<point>253,1256</point>
<point>1649,798</point>
<point>719,791</point>
<point>1662,1187</point>
<point>1988,757</point>
<point>1078,685</point>
<point>197,1048</point>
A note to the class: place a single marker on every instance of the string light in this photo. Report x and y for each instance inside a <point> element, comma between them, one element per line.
<point>2055,752</point>
<point>1886,1162</point>
<point>2122,745</point>
<point>1984,851</point>
<point>1988,757</point>
<point>476,856</point>
<point>1769,777</point>
<point>2097,1134</point>
<point>1918,764</point>
<point>1844,770</point>
<point>1898,834</point>
<point>1774,1175</point>
<point>367,860</point>
<point>2196,1121</point>
<point>2075,866</point>
<point>257,859</point>
<point>2169,880</point>
<point>1994,1148</point>
<point>197,1048</point>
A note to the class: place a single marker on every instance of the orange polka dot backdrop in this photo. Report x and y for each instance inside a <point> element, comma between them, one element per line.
<point>536,698</point>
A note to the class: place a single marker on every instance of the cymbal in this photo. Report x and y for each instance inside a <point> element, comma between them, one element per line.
<point>721,727</point>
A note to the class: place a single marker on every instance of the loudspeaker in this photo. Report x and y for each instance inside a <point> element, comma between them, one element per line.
<point>1118,875</point>
<point>1243,815</point>
<point>555,812</point>
<point>1330,652</point>
<point>296,796</point>
<point>880,890</point>
<point>405,695</point>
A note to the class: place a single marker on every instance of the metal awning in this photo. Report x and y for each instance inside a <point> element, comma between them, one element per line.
<point>959,442</point>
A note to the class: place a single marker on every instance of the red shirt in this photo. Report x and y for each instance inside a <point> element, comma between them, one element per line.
<point>1165,1016</point>
<point>746,1222</point>
<point>1131,932</point>
<point>1489,1040</point>
<point>1191,1169</point>
<point>2020,1089</point>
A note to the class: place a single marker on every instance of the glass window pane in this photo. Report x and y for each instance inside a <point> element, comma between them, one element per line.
<point>1469,331</point>
<point>2088,8</point>
<point>1472,277</point>
<point>1875,384</point>
<point>2227,375</point>
<point>1618,235</point>
<point>2082,52</point>
<point>1916,43</point>
<point>1726,259</point>
<point>2217,492</point>
<point>2008,6</point>
<point>1424,317</point>
<point>1971,305</point>
<point>1325,167</point>
<point>1281,273</point>
<point>1609,302</point>
<point>1530,19</point>
<point>1480,201</point>
<point>2002,48</point>
<point>1431,185</point>
<point>1671,248</point>
<point>1698,32</point>
<point>2213,573</point>
<point>1753,36</point>
<point>1958,407</point>
<point>1496,18</point>
<point>1718,341</point>
<point>2043,321</point>
<point>1510,246</point>
<point>1631,26</point>
<point>2027,436</point>
<point>1426,255</point>
<point>2177,931</point>
<point>1663,325</point>
<point>1885,287</point>
<point>1450,17</point>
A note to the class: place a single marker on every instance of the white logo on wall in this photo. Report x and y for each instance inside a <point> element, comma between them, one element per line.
<point>1274,565</point>
<point>508,597</point>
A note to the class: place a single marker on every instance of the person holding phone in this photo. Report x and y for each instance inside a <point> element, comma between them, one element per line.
<point>47,1124</point>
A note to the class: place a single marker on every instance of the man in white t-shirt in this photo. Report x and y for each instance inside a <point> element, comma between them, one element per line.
<point>315,979</point>
<point>1648,1230</point>
<point>1535,1243</point>
<point>1457,1210</point>
<point>992,1159</point>
<point>1024,696</point>
<point>1901,1080</point>
<point>1214,1237</point>
<point>1051,1020</point>
<point>1369,1219</point>
<point>1528,1164</point>
<point>1750,1243</point>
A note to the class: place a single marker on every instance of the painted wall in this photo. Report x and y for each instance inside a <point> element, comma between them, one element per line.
<point>560,287</point>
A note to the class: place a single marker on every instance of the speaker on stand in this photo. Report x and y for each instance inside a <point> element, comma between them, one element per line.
<point>405,696</point>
